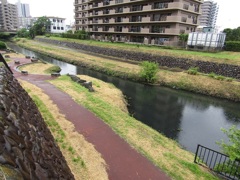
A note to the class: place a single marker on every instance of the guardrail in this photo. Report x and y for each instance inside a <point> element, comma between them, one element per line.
<point>218,162</point>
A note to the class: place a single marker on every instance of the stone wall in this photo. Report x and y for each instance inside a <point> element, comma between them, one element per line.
<point>171,62</point>
<point>27,148</point>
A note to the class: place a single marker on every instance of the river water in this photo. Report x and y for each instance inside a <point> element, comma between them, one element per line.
<point>188,118</point>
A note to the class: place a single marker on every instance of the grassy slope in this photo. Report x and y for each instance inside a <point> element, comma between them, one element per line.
<point>220,57</point>
<point>82,158</point>
<point>163,152</point>
<point>200,84</point>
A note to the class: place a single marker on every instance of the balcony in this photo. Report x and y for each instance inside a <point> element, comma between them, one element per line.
<point>135,29</point>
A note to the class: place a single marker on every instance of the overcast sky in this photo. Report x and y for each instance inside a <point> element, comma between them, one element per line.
<point>228,16</point>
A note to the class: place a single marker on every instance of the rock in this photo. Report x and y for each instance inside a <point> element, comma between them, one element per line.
<point>24,72</point>
<point>55,74</point>
<point>17,62</point>
<point>33,59</point>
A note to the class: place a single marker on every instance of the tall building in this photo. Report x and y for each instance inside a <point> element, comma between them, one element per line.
<point>209,14</point>
<point>139,21</point>
<point>24,17</point>
<point>23,9</point>
<point>8,16</point>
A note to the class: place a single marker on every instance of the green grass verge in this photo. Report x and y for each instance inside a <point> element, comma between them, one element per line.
<point>138,135</point>
<point>220,57</point>
<point>57,132</point>
<point>199,83</point>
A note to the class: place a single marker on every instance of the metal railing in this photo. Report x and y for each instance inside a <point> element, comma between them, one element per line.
<point>218,162</point>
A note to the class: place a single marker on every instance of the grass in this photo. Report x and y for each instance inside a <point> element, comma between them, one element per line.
<point>163,152</point>
<point>219,57</point>
<point>37,68</point>
<point>53,69</point>
<point>177,79</point>
<point>82,158</point>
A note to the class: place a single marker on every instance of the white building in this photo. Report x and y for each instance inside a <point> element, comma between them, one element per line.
<point>58,25</point>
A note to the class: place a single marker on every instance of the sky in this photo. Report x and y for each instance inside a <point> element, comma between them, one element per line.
<point>228,16</point>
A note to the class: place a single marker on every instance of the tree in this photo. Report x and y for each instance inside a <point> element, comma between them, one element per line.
<point>232,149</point>
<point>183,38</point>
<point>232,34</point>
<point>41,26</point>
<point>23,33</point>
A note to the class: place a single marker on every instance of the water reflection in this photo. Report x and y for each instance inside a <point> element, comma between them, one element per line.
<point>189,118</point>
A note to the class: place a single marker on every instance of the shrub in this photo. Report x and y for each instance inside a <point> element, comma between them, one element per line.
<point>148,71</point>
<point>232,149</point>
<point>2,45</point>
<point>53,69</point>
<point>229,79</point>
<point>232,46</point>
<point>212,75</point>
<point>193,70</point>
<point>221,78</point>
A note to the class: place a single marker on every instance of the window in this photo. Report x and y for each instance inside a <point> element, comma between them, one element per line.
<point>54,27</point>
<point>62,28</point>
<point>54,20</point>
<point>58,28</point>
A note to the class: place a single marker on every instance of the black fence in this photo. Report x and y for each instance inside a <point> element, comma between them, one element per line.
<point>218,162</point>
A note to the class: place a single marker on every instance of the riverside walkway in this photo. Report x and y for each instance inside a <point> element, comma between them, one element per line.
<point>123,162</point>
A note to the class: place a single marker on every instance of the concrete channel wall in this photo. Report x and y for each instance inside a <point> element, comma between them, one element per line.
<point>27,148</point>
<point>171,62</point>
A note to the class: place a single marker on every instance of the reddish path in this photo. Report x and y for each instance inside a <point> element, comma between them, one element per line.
<point>124,163</point>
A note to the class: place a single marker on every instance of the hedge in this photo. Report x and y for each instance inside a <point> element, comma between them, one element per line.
<point>2,45</point>
<point>74,36</point>
<point>232,46</point>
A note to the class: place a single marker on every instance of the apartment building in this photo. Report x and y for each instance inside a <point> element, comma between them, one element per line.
<point>209,14</point>
<point>8,16</point>
<point>156,22</point>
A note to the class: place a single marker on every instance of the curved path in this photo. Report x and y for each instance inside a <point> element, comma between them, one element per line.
<point>124,163</point>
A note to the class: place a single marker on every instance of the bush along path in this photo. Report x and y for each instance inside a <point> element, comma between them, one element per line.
<point>123,162</point>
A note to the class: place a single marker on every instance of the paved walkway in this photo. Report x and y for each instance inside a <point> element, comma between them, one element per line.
<point>124,163</point>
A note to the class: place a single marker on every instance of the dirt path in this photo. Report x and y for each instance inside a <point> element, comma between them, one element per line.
<point>124,163</point>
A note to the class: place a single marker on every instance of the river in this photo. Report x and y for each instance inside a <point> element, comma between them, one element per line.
<point>188,118</point>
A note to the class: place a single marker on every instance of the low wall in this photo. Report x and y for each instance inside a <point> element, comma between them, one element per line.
<point>27,148</point>
<point>171,62</point>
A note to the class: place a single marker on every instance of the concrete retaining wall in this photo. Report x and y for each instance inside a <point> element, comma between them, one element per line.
<point>171,62</point>
<point>27,148</point>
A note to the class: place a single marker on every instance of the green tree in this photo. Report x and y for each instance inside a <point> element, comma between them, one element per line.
<point>233,147</point>
<point>232,34</point>
<point>148,72</point>
<point>41,26</point>
<point>183,38</point>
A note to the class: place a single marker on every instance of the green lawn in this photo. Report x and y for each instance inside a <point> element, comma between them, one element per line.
<point>220,57</point>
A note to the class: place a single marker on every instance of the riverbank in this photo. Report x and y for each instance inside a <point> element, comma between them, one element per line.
<point>163,152</point>
<point>174,78</point>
